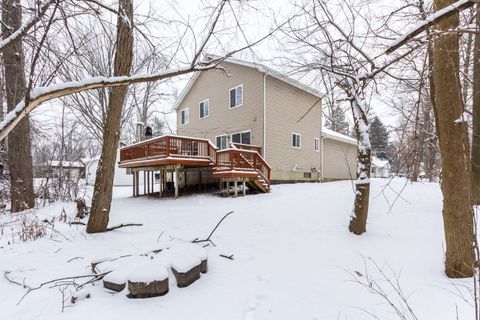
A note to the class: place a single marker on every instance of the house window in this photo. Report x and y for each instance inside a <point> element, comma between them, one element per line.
<point>296,140</point>
<point>221,141</point>
<point>307,175</point>
<point>241,137</point>
<point>236,96</point>
<point>129,171</point>
<point>316,144</point>
<point>185,115</point>
<point>204,108</point>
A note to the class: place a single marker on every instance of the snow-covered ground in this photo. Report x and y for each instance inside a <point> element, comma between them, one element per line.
<point>293,257</point>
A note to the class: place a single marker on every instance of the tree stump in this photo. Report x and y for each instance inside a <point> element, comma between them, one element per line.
<point>117,287</point>
<point>192,249</point>
<point>115,281</point>
<point>147,281</point>
<point>186,270</point>
<point>147,290</point>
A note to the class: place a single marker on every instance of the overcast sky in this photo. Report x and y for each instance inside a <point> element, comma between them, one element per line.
<point>257,18</point>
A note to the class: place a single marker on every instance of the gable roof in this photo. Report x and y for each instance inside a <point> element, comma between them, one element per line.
<point>379,163</point>
<point>260,68</point>
<point>330,134</point>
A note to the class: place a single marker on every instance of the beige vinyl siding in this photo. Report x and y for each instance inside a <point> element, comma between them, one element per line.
<point>215,85</point>
<point>289,110</point>
<point>339,160</point>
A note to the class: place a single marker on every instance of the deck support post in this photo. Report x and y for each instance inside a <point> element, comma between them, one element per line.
<point>144,182</point>
<point>133,184</point>
<point>235,188</point>
<point>153,182</point>
<point>148,182</point>
<point>244,190</point>
<point>160,183</point>
<point>176,183</point>
<point>137,185</point>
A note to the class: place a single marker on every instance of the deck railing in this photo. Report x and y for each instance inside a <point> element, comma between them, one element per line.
<point>246,147</point>
<point>243,160</point>
<point>168,146</point>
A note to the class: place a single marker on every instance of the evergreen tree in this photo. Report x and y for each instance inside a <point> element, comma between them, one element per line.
<point>158,126</point>
<point>335,120</point>
<point>379,139</point>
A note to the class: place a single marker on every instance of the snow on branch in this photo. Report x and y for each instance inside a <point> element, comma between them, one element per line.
<point>434,18</point>
<point>25,27</point>
<point>42,94</point>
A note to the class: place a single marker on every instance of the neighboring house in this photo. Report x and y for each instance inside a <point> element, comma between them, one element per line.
<point>72,170</point>
<point>122,177</point>
<point>249,103</point>
<point>380,168</point>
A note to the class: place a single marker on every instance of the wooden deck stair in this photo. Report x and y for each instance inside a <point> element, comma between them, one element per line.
<point>240,162</point>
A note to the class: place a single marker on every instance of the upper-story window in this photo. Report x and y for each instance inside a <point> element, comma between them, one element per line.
<point>185,116</point>
<point>241,137</point>
<point>203,106</point>
<point>296,140</point>
<point>236,96</point>
<point>316,144</point>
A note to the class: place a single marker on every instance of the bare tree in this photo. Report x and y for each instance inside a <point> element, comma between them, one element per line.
<point>454,146</point>
<point>452,129</point>
<point>341,53</point>
<point>102,193</point>
<point>19,146</point>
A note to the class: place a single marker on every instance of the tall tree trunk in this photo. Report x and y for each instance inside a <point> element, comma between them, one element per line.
<point>358,221</point>
<point>432,127</point>
<point>476,117</point>
<point>102,196</point>
<point>19,145</point>
<point>454,147</point>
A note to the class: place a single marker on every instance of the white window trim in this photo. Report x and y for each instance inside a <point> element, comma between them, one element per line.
<point>291,140</point>
<point>230,98</point>
<point>231,136</point>
<point>199,113</point>
<point>226,142</point>
<point>318,144</point>
<point>188,111</point>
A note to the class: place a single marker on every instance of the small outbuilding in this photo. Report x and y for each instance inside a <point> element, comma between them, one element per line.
<point>380,168</point>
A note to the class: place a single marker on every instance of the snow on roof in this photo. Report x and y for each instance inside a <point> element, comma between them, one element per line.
<point>66,163</point>
<point>261,68</point>
<point>379,163</point>
<point>330,134</point>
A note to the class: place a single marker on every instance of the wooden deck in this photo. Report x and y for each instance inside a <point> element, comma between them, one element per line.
<point>168,150</point>
<point>240,163</point>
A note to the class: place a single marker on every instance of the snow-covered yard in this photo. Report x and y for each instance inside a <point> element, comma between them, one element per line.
<point>293,257</point>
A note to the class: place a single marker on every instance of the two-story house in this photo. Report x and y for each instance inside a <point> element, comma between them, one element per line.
<point>249,103</point>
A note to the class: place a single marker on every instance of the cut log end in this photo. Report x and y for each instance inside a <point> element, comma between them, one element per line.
<point>147,290</point>
<point>184,279</point>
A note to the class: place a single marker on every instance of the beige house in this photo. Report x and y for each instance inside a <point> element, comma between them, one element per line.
<point>249,103</point>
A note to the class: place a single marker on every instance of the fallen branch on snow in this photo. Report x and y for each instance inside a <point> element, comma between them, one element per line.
<point>214,229</point>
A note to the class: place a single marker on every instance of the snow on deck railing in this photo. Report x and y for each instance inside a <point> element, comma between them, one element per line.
<point>165,136</point>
